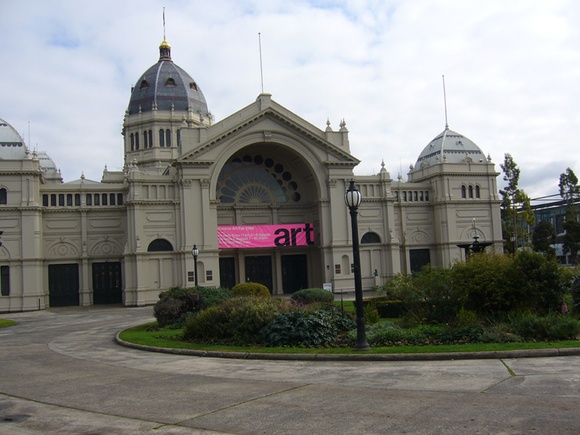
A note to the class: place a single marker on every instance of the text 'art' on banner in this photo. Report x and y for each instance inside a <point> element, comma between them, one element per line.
<point>264,236</point>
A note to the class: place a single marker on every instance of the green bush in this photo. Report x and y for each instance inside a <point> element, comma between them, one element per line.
<point>499,333</point>
<point>174,303</point>
<point>254,289</point>
<point>575,291</point>
<point>210,296</point>
<point>305,328</point>
<point>538,283</point>
<point>310,295</point>
<point>237,320</point>
<point>552,327</point>
<point>390,309</point>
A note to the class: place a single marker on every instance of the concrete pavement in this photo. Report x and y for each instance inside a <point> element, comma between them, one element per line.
<point>62,373</point>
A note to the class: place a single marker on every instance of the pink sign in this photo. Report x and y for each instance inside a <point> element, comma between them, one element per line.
<point>264,236</point>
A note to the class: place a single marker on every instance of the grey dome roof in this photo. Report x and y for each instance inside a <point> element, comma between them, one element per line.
<point>166,86</point>
<point>449,147</point>
<point>11,143</point>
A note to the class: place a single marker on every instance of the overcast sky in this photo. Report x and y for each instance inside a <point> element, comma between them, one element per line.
<point>512,73</point>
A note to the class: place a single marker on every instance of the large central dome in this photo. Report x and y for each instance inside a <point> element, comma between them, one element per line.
<point>166,86</point>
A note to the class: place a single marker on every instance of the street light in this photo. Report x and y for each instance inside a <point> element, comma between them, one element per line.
<point>195,253</point>
<point>353,198</point>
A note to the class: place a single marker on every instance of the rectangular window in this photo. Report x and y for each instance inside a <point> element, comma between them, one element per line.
<point>89,199</point>
<point>5,280</point>
<point>105,198</point>
<point>190,277</point>
<point>209,275</point>
<point>97,199</point>
<point>112,199</point>
<point>45,200</point>
<point>337,269</point>
<point>351,267</point>
<point>69,198</point>
<point>53,199</point>
<point>77,199</point>
<point>119,199</point>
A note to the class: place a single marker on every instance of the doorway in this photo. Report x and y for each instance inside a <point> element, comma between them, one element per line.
<point>294,273</point>
<point>259,269</point>
<point>227,272</point>
<point>107,288</point>
<point>63,285</point>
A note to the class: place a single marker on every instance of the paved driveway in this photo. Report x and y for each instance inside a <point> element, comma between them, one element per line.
<point>62,373</point>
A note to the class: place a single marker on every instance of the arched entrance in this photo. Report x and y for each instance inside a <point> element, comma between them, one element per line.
<point>268,217</point>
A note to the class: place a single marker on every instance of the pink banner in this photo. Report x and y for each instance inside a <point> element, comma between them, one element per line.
<point>265,236</point>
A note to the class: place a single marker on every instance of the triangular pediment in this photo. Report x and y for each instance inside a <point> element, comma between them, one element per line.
<point>265,121</point>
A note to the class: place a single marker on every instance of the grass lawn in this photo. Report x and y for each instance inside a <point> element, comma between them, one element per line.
<point>6,323</point>
<point>170,338</point>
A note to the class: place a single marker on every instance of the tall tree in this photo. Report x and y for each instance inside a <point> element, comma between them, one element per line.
<point>570,191</point>
<point>543,237</point>
<point>515,207</point>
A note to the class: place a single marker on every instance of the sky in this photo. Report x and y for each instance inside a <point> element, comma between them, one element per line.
<point>511,67</point>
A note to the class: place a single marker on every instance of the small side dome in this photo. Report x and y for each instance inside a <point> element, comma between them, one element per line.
<point>450,147</point>
<point>11,143</point>
<point>166,86</point>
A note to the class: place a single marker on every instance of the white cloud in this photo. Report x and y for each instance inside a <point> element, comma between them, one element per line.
<point>511,70</point>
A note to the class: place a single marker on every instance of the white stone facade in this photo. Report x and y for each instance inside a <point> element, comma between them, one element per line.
<point>130,236</point>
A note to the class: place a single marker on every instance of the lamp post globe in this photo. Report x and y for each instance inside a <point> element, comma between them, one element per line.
<point>353,199</point>
<point>195,253</point>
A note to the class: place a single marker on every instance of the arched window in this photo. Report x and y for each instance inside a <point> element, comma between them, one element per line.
<point>470,189</point>
<point>477,192</point>
<point>255,179</point>
<point>3,196</point>
<point>132,142</point>
<point>168,138</point>
<point>150,138</point>
<point>137,141</point>
<point>463,192</point>
<point>161,137</point>
<point>159,245</point>
<point>170,82</point>
<point>144,84</point>
<point>370,238</point>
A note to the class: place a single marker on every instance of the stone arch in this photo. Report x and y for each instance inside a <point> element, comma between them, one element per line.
<point>286,145</point>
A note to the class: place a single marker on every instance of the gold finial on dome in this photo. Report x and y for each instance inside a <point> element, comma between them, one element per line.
<point>164,47</point>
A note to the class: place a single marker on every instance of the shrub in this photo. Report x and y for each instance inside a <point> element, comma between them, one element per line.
<point>389,309</point>
<point>486,282</point>
<point>254,289</point>
<point>310,295</point>
<point>174,303</point>
<point>538,284</point>
<point>575,291</point>
<point>237,320</point>
<point>210,296</point>
<point>306,328</point>
<point>499,333</point>
<point>551,327</point>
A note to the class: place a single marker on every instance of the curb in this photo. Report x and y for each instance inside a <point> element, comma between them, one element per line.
<point>446,356</point>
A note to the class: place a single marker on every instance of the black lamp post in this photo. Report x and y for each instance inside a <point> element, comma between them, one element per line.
<point>353,198</point>
<point>195,253</point>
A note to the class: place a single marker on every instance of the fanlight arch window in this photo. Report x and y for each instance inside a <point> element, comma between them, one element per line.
<point>160,245</point>
<point>254,179</point>
<point>370,237</point>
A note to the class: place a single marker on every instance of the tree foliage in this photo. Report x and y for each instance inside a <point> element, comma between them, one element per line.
<point>570,192</point>
<point>515,207</point>
<point>543,237</point>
